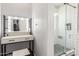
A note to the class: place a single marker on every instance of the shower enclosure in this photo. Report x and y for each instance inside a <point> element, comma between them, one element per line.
<point>65,28</point>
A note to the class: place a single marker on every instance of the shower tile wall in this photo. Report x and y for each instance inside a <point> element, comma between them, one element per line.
<point>71,18</point>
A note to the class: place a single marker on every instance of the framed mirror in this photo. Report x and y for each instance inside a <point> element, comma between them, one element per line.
<point>17,24</point>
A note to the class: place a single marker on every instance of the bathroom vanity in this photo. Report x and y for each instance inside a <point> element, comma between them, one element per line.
<point>17,30</point>
<point>16,39</point>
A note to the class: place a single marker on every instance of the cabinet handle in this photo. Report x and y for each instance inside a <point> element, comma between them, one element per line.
<point>27,38</point>
<point>11,40</point>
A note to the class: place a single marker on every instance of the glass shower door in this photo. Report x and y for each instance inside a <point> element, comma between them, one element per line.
<point>71,27</point>
<point>65,28</point>
<point>59,27</point>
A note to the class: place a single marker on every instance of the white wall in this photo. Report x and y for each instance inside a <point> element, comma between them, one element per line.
<point>43,28</point>
<point>0,28</point>
<point>0,18</point>
<point>40,27</point>
<point>51,29</point>
<point>17,9</point>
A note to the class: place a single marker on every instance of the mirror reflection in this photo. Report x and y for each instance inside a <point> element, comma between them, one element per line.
<point>18,24</point>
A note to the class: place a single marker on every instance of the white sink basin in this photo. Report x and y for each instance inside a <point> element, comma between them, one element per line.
<point>13,39</point>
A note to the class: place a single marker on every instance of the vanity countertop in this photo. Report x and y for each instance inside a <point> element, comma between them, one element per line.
<point>20,36</point>
<point>13,39</point>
